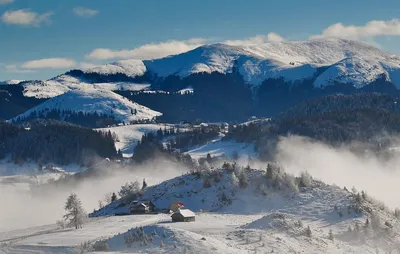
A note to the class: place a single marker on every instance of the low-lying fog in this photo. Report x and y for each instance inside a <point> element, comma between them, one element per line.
<point>380,179</point>
<point>21,209</point>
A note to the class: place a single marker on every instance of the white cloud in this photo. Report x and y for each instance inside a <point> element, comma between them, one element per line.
<point>86,65</point>
<point>85,12</point>
<point>6,1</point>
<point>13,68</point>
<point>49,63</point>
<point>25,17</point>
<point>371,29</point>
<point>274,37</point>
<point>259,39</point>
<point>148,51</point>
<point>172,47</point>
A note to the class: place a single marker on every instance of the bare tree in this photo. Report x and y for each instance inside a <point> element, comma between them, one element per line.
<point>108,198</point>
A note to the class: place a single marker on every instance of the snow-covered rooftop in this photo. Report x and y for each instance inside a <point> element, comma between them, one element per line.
<point>185,213</point>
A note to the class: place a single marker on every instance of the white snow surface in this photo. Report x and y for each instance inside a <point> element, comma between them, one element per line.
<point>92,100</point>
<point>64,83</point>
<point>218,148</point>
<point>273,222</point>
<point>347,61</point>
<point>131,68</point>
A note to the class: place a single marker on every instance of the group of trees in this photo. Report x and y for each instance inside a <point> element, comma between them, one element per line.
<point>151,145</point>
<point>212,100</point>
<point>369,119</point>
<point>86,119</point>
<point>47,141</point>
<point>132,190</point>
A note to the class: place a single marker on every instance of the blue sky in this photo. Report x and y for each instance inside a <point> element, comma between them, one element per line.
<point>40,39</point>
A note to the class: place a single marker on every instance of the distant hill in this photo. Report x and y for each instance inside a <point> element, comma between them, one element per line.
<point>89,107</point>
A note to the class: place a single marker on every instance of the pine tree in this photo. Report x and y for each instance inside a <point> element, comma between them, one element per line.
<point>397,213</point>
<point>330,235</point>
<point>144,185</point>
<point>364,195</point>
<point>270,171</point>
<point>366,223</point>
<point>113,197</point>
<point>242,179</point>
<point>357,227</point>
<point>75,214</point>
<point>308,231</point>
<point>209,159</point>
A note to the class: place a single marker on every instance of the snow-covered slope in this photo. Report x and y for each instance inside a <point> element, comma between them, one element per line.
<point>92,100</point>
<point>264,216</point>
<point>230,149</point>
<point>129,135</point>
<point>64,83</point>
<point>131,68</point>
<point>10,82</point>
<point>347,61</point>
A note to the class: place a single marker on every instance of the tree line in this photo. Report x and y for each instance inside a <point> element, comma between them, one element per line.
<point>49,141</point>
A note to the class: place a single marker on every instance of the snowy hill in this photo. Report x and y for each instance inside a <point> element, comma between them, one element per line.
<point>282,214</point>
<point>91,101</point>
<point>266,214</point>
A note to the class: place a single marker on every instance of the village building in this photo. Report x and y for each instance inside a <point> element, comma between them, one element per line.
<point>183,215</point>
<point>141,207</point>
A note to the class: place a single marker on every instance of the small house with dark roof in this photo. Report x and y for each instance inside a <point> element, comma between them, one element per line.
<point>183,215</point>
<point>141,207</point>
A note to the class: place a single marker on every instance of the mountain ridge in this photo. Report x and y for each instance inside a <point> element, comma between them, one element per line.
<point>266,78</point>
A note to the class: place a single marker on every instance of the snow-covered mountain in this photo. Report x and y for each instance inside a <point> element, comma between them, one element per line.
<point>260,77</point>
<point>344,61</point>
<point>91,100</point>
<point>325,60</point>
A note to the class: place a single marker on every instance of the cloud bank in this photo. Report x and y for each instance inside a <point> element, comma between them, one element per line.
<point>26,17</point>
<point>173,47</point>
<point>49,63</point>
<point>259,39</point>
<point>371,29</point>
<point>147,51</point>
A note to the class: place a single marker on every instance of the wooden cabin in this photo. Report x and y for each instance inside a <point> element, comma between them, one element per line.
<point>183,215</point>
<point>141,207</point>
